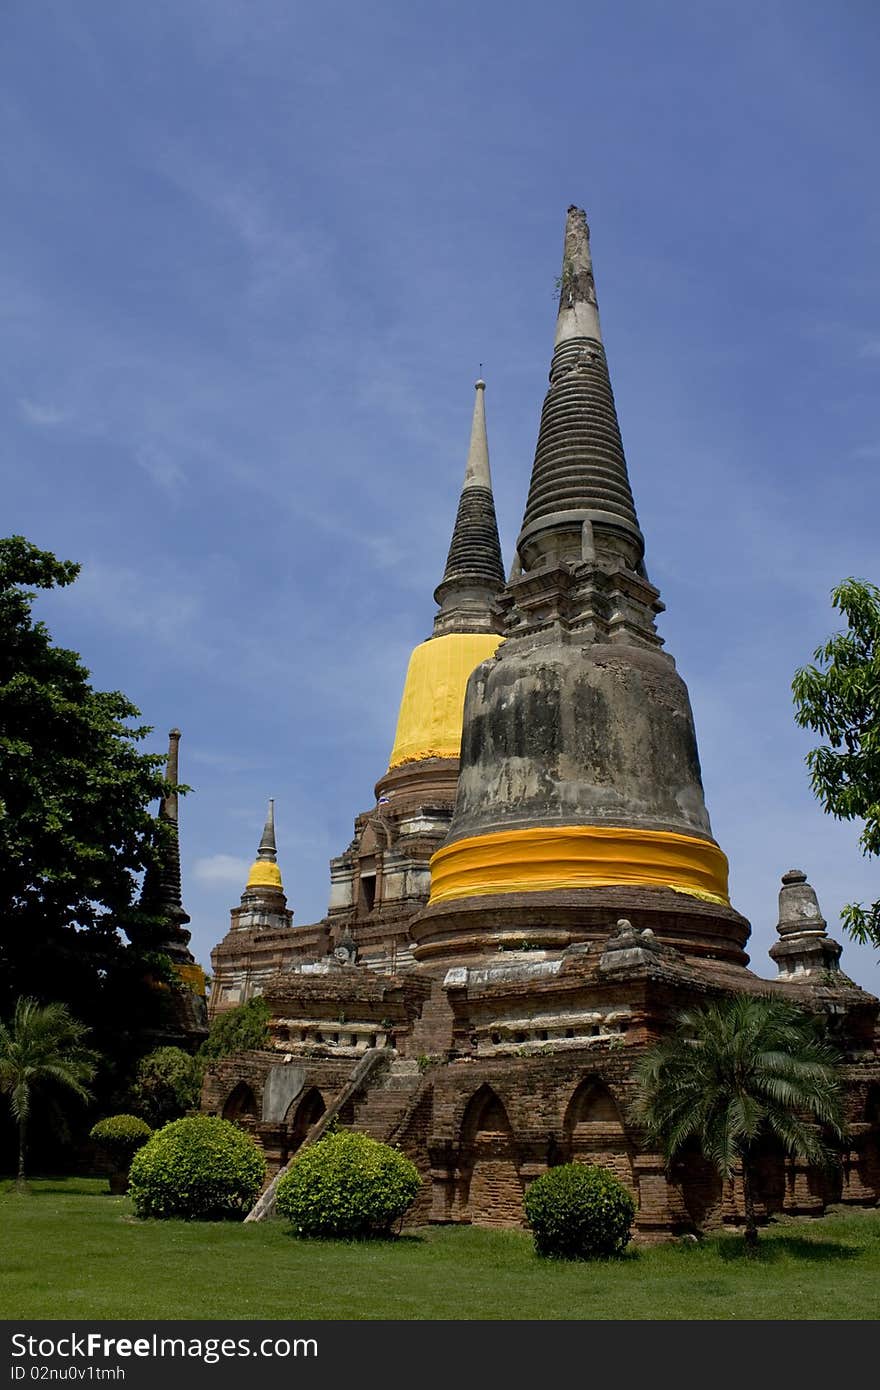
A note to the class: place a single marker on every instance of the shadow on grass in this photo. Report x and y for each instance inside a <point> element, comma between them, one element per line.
<point>363,1242</point>
<point>773,1248</point>
<point>58,1186</point>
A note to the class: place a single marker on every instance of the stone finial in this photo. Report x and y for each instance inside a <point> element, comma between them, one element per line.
<point>168,809</point>
<point>798,905</point>
<point>804,949</point>
<point>578,307</point>
<point>267,851</point>
<point>476,472</point>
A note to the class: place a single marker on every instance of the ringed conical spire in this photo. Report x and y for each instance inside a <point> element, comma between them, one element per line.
<point>474,573</point>
<point>580,505</point>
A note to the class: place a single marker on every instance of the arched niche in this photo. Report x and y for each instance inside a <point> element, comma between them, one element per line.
<point>491,1189</point>
<point>700,1186</point>
<point>304,1111</point>
<point>869,1148</point>
<point>241,1106</point>
<point>595,1132</point>
<point>768,1168</point>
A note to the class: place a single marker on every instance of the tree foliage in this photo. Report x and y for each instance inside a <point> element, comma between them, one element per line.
<point>237,1030</point>
<point>76,827</point>
<point>168,1084</point>
<point>42,1050</point>
<point>733,1073</point>
<point>839,698</point>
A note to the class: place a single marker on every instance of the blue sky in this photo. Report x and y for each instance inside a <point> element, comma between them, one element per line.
<point>253,254</point>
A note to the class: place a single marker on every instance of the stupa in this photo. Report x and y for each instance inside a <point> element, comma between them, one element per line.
<point>574,899</point>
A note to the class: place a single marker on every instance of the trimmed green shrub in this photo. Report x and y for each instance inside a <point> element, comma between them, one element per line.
<point>120,1136</point>
<point>578,1212</point>
<point>348,1186</point>
<point>201,1168</point>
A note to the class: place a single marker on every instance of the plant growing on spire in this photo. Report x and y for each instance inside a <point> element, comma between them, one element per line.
<point>566,281</point>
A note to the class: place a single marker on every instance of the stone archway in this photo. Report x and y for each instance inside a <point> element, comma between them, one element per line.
<point>700,1186</point>
<point>241,1106</point>
<point>491,1189</point>
<point>768,1171</point>
<point>869,1155</point>
<point>595,1132</point>
<point>304,1112</point>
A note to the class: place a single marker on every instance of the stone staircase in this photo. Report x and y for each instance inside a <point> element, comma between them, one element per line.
<point>382,1108</point>
<point>432,1030</point>
<point>374,1060</point>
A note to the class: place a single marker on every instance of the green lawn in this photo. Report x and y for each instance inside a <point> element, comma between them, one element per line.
<point>72,1251</point>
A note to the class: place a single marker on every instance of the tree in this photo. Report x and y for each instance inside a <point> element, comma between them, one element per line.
<point>42,1048</point>
<point>237,1030</point>
<point>169,1083</point>
<point>76,828</point>
<point>840,699</point>
<point>736,1072</point>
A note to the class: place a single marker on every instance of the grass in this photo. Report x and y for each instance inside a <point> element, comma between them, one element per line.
<point>71,1251</point>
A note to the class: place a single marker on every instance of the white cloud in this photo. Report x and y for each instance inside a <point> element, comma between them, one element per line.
<point>46,416</point>
<point>164,470</point>
<point>221,868</point>
<point>134,602</point>
<point>277,257</point>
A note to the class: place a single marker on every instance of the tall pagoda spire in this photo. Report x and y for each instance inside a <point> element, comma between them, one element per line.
<point>161,892</point>
<point>474,573</point>
<point>579,777</point>
<point>580,505</point>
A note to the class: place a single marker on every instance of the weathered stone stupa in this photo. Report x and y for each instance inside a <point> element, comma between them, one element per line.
<point>487,1017</point>
<point>579,793</point>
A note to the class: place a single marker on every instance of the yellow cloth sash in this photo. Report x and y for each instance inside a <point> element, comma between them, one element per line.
<point>429,722</point>
<point>578,856</point>
<point>193,976</point>
<point>263,874</point>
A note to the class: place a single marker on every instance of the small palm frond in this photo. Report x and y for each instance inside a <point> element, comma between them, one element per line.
<point>736,1070</point>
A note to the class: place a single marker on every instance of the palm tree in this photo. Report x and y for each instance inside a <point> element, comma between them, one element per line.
<point>42,1046</point>
<point>733,1073</point>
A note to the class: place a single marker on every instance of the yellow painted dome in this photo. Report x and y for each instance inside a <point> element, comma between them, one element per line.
<point>429,722</point>
<point>263,874</point>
